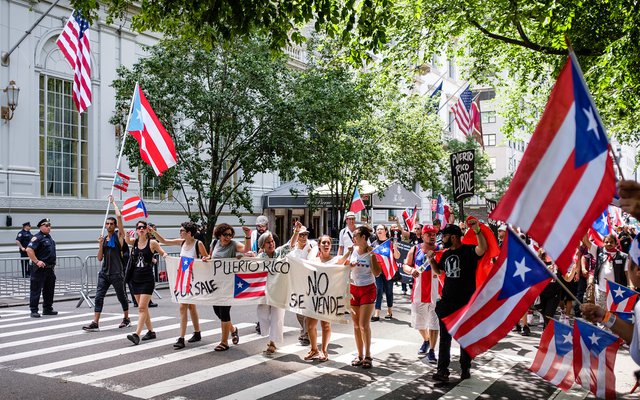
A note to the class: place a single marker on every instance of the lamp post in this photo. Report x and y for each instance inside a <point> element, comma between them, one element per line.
<point>13,92</point>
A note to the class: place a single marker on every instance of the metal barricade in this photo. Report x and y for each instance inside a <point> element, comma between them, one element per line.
<point>13,279</point>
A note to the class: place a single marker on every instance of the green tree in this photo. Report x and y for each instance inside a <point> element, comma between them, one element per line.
<point>228,111</point>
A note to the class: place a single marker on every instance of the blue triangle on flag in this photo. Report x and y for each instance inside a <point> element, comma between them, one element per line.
<point>593,337</point>
<point>563,336</point>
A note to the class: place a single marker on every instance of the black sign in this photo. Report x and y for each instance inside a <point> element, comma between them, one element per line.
<point>491,205</point>
<point>462,174</point>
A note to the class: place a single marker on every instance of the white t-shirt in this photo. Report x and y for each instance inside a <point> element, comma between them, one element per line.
<point>361,274</point>
<point>345,239</point>
<point>606,272</point>
<point>309,251</point>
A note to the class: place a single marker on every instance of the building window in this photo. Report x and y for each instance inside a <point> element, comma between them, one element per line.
<point>451,122</point>
<point>492,163</point>
<point>488,117</point>
<point>487,95</point>
<point>491,186</point>
<point>151,189</point>
<point>452,68</point>
<point>63,141</point>
<point>489,140</point>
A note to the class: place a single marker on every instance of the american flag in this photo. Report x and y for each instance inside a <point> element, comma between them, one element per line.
<point>250,285</point>
<point>462,112</point>
<point>594,355</point>
<point>554,359</point>
<point>566,176</point>
<point>133,208</point>
<point>514,282</point>
<point>384,256</point>
<point>183,279</point>
<point>121,181</point>
<point>620,298</point>
<point>76,48</point>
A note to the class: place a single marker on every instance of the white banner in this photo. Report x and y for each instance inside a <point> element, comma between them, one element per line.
<point>313,289</point>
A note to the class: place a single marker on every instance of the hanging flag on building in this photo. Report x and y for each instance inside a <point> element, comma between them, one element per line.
<point>75,45</point>
<point>554,360</point>
<point>121,181</point>
<point>357,204</point>
<point>385,258</point>
<point>156,146</point>
<point>133,208</point>
<point>594,356</point>
<point>410,216</point>
<point>462,112</point>
<point>566,176</point>
<point>517,278</point>
<point>620,298</point>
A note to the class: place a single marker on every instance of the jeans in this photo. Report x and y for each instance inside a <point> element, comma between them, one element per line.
<point>42,280</point>
<point>386,287</point>
<point>444,351</point>
<point>104,281</point>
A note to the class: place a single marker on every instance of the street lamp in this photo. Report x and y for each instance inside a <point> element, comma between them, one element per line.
<point>12,91</point>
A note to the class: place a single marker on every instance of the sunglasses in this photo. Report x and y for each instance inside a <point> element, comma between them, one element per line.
<point>141,227</point>
<point>227,235</point>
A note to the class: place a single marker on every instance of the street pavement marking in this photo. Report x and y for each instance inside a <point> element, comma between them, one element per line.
<point>483,377</point>
<point>44,328</point>
<point>171,385</point>
<point>177,355</point>
<point>307,374</point>
<point>383,385</point>
<point>10,313</point>
<point>40,369</point>
<point>79,331</point>
<point>575,393</point>
<point>26,317</point>
<point>37,321</point>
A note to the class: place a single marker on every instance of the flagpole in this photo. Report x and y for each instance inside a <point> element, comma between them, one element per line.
<point>453,95</point>
<point>124,139</point>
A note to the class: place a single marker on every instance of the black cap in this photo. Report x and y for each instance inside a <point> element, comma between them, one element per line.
<point>452,229</point>
<point>44,221</point>
<point>26,223</point>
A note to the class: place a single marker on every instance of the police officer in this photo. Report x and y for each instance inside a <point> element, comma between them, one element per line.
<point>22,240</point>
<point>42,253</point>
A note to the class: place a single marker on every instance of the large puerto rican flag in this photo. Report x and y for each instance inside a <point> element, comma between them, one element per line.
<point>156,146</point>
<point>554,359</point>
<point>516,279</point>
<point>566,176</point>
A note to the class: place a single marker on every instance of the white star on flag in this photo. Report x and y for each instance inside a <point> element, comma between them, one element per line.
<point>567,338</point>
<point>186,263</point>
<point>619,292</point>
<point>593,125</point>
<point>594,338</point>
<point>240,285</point>
<point>139,115</point>
<point>521,269</point>
<point>604,220</point>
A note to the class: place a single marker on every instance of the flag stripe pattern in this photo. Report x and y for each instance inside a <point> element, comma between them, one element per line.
<point>462,112</point>
<point>410,216</point>
<point>250,285</point>
<point>554,360</point>
<point>594,356</point>
<point>183,279</point>
<point>134,208</point>
<point>75,45</point>
<point>516,279</point>
<point>357,204</point>
<point>121,181</point>
<point>384,256</point>
<point>566,176</point>
<point>620,298</point>
<point>440,214</point>
<point>156,146</point>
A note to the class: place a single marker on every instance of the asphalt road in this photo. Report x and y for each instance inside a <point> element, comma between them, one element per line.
<point>52,358</point>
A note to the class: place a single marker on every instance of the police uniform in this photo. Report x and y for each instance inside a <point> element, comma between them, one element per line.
<point>24,237</point>
<point>43,279</point>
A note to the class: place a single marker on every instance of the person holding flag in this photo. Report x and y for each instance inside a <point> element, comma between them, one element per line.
<point>383,285</point>
<point>190,249</point>
<point>459,264</point>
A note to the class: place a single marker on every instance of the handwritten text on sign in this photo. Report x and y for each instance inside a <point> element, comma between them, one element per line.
<point>462,174</point>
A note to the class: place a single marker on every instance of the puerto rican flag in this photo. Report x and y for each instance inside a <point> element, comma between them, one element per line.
<point>626,316</point>
<point>427,287</point>
<point>616,216</point>
<point>183,279</point>
<point>121,181</point>
<point>133,208</point>
<point>250,285</point>
<point>440,214</point>
<point>620,298</point>
<point>566,176</point>
<point>516,279</point>
<point>554,359</point>
<point>594,355</point>
<point>156,146</point>
<point>410,217</point>
<point>357,204</point>
<point>600,228</point>
<point>384,256</point>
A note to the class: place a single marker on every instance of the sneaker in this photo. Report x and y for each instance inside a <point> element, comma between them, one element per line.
<point>35,315</point>
<point>134,338</point>
<point>152,304</point>
<point>466,374</point>
<point>179,344</point>
<point>441,376</point>
<point>431,356</point>
<point>526,331</point>
<point>423,348</point>
<point>49,312</point>
<point>517,328</point>
<point>149,335</point>
<point>92,327</point>
<point>126,322</point>
<point>258,328</point>
<point>305,342</point>
<point>195,338</point>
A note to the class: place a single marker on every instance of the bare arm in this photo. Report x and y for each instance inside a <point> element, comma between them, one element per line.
<point>121,234</point>
<point>99,256</point>
<point>594,313</point>
<point>481,248</point>
<point>163,240</point>
<point>375,268</point>
<point>20,245</point>
<point>408,266</point>
<point>155,246</point>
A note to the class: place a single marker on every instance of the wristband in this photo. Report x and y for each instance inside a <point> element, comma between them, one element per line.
<point>477,230</point>
<point>609,319</point>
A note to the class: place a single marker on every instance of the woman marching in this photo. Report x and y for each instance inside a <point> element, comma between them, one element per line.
<point>364,270</point>
<point>383,286</point>
<point>140,274</point>
<point>192,248</point>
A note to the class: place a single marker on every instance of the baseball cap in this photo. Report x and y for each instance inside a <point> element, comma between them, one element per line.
<point>429,229</point>
<point>452,229</point>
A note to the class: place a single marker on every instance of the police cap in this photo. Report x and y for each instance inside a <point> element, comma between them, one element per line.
<point>44,221</point>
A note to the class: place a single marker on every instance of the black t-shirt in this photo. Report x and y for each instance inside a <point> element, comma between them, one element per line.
<point>625,242</point>
<point>459,267</point>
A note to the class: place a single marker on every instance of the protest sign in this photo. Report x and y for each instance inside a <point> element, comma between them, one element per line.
<point>462,174</point>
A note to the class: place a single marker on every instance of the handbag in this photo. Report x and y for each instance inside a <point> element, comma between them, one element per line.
<point>128,272</point>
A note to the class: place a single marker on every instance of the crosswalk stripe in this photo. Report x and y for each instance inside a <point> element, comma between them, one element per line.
<point>171,385</point>
<point>385,384</point>
<point>302,376</point>
<point>43,328</point>
<point>39,321</point>
<point>26,317</point>
<point>179,355</point>
<point>13,311</point>
<point>40,369</point>
<point>79,331</point>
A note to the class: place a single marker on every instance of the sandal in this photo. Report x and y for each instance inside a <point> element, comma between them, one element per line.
<point>367,363</point>
<point>271,349</point>
<point>356,362</point>
<point>311,355</point>
<point>222,347</point>
<point>388,316</point>
<point>235,338</point>
<point>323,357</point>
